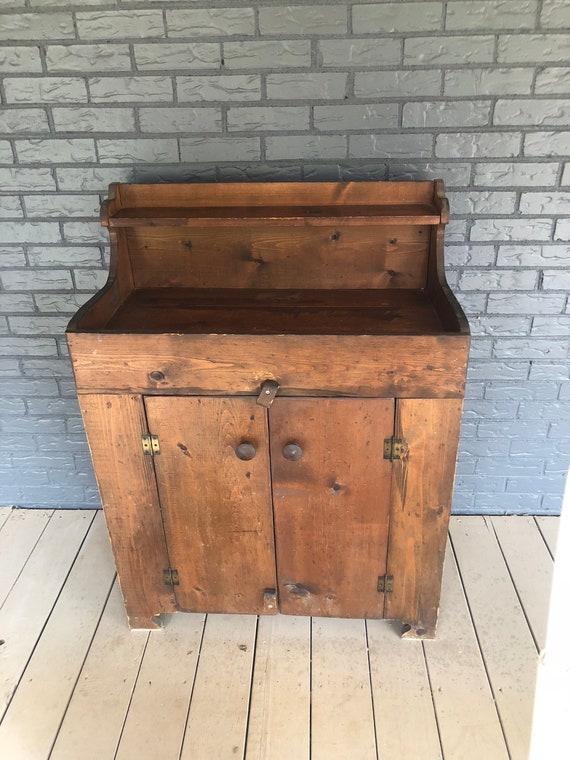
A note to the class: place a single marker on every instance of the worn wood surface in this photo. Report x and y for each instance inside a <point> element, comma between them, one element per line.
<point>356,365</point>
<point>18,536</point>
<point>510,652</point>
<point>216,507</point>
<point>469,726</point>
<point>280,257</point>
<point>155,724</point>
<point>331,505</point>
<point>104,687</point>
<point>422,488</point>
<point>233,311</point>
<point>279,724</point>
<point>114,426</point>
<point>60,652</point>
<point>30,602</point>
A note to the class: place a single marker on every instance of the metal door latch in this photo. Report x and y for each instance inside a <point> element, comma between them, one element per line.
<point>268,392</point>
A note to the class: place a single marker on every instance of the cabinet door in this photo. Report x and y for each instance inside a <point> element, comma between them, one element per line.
<point>216,507</point>
<point>331,496</point>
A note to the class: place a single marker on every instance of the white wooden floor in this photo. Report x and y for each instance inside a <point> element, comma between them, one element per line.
<point>78,685</point>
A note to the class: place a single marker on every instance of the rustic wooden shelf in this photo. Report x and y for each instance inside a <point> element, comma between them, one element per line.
<point>271,382</point>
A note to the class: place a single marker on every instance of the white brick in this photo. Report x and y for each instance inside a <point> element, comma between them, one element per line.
<point>524,303</point>
<point>20,60</point>
<point>366,117</point>
<point>62,205</point>
<point>37,26</point>
<point>556,280</point>
<point>112,25</point>
<point>538,48</point>
<point>362,53</point>
<point>10,207</point>
<point>199,149</point>
<point>462,82</point>
<point>210,22</point>
<point>13,120</point>
<point>464,113</point>
<point>555,14</point>
<point>19,179</point>
<point>511,229</point>
<point>88,58</point>
<point>60,256</point>
<point>390,146</point>
<point>397,17</point>
<point>46,90</point>
<point>562,230</point>
<point>180,120</point>
<point>91,178</point>
<point>6,156</point>
<point>545,203</point>
<point>311,147</point>
<point>268,118</point>
<point>300,19</point>
<point>177,55</point>
<point>520,175</point>
<point>553,81</point>
<point>454,174</point>
<point>498,280</point>
<point>240,87</point>
<point>131,89</point>
<point>566,175</point>
<point>328,86</point>
<point>90,279</point>
<point>397,84</point>
<point>532,112</point>
<point>485,15</point>
<point>547,144</point>
<point>477,145</point>
<point>80,119</point>
<point>84,232</point>
<point>147,151</point>
<point>482,202</point>
<point>430,51</point>
<point>29,232</point>
<point>55,151</point>
<point>533,255</point>
<point>267,54</point>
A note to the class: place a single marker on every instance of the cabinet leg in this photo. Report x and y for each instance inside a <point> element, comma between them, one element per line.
<point>418,631</point>
<point>147,622</point>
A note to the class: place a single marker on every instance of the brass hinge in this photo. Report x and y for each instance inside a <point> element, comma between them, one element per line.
<point>394,448</point>
<point>171,577</point>
<point>385,584</point>
<point>150,445</point>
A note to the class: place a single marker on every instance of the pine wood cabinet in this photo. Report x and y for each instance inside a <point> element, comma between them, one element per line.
<point>271,383</point>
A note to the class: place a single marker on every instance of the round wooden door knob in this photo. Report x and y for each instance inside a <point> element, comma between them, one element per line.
<point>245,451</point>
<point>292,452</point>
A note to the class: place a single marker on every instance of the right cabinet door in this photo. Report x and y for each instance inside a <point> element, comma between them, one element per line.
<point>331,497</point>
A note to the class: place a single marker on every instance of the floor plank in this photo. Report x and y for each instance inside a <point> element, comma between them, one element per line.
<point>467,718</point>
<point>549,528</point>
<point>402,696</point>
<point>530,566</point>
<point>342,720</point>
<point>217,720</point>
<point>30,602</point>
<point>279,716</point>
<point>163,690</point>
<point>18,536</point>
<point>506,642</point>
<point>5,513</point>
<point>94,719</point>
<point>51,674</point>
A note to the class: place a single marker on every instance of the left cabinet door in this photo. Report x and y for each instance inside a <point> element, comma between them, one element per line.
<point>213,480</point>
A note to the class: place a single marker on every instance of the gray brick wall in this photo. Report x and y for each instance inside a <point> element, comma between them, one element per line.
<point>474,91</point>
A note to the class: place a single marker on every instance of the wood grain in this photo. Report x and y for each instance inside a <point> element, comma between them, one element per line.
<point>114,426</point>
<point>331,506</point>
<point>422,488</point>
<point>216,507</point>
<point>357,365</point>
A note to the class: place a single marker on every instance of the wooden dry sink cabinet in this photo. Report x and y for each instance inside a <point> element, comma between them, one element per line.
<point>271,382</point>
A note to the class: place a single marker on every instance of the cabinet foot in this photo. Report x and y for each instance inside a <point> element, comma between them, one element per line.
<point>418,631</point>
<point>144,621</point>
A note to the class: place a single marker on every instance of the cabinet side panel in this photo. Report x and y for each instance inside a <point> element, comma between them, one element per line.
<point>331,499</point>
<point>422,488</point>
<point>127,484</point>
<point>216,506</point>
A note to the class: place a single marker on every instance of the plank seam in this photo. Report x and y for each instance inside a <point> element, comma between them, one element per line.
<point>371,688</point>
<point>548,549</point>
<point>428,676</point>
<point>481,653</point>
<point>191,695</point>
<point>46,621</point>
<point>251,680</point>
<point>311,689</point>
<point>135,681</point>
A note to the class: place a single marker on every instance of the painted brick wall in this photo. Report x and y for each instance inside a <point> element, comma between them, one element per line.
<point>474,91</point>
